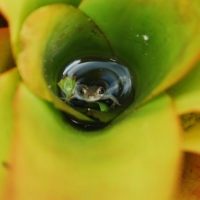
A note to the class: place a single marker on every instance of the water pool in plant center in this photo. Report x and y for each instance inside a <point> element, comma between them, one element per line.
<point>96,87</point>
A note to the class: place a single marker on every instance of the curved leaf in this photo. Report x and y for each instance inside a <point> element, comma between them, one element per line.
<point>121,162</point>
<point>159,40</point>
<point>186,93</point>
<point>65,36</point>
<point>17,11</point>
<point>8,83</point>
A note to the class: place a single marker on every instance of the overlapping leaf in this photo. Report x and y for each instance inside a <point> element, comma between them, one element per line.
<point>8,84</point>
<point>186,95</point>
<point>45,53</point>
<point>141,151</point>
<point>159,40</point>
<point>123,160</point>
<point>17,11</point>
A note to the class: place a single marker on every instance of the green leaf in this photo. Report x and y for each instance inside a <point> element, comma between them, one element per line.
<point>66,35</point>
<point>186,93</point>
<point>186,96</point>
<point>158,40</point>
<point>6,59</point>
<point>103,107</point>
<point>67,85</point>
<point>17,11</point>
<point>54,160</point>
<point>8,83</point>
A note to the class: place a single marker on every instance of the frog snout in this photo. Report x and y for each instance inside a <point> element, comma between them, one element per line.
<point>92,97</point>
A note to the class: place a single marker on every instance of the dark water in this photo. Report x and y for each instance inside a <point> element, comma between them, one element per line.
<point>109,74</point>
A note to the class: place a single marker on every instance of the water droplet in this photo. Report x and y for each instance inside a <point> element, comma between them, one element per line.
<point>145,37</point>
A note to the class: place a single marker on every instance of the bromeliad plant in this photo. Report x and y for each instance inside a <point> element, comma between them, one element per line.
<point>140,154</point>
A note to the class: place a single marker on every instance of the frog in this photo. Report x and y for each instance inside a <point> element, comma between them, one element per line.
<point>93,94</point>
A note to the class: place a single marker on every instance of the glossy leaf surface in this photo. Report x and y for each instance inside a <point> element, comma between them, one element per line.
<point>159,40</point>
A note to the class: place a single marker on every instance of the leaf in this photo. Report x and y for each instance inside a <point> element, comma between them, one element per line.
<point>158,40</point>
<point>8,83</point>
<point>66,35</point>
<point>54,160</point>
<point>103,107</point>
<point>67,85</point>
<point>186,96</point>
<point>17,11</point>
<point>186,93</point>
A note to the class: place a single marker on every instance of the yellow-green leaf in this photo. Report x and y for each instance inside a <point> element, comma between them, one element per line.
<point>17,11</point>
<point>186,96</point>
<point>137,158</point>
<point>186,93</point>
<point>8,83</point>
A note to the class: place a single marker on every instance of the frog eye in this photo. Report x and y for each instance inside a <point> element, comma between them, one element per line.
<point>100,90</point>
<point>83,91</point>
